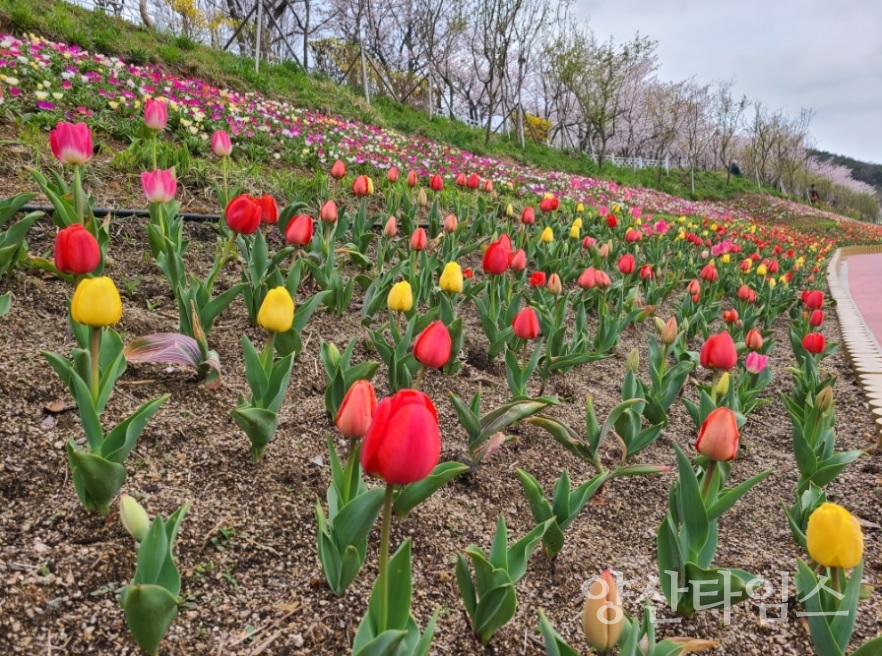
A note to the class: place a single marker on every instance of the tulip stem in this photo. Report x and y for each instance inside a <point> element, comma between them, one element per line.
<point>226,197</point>
<point>266,357</point>
<point>708,476</point>
<point>154,150</point>
<point>223,260</point>
<point>351,464</point>
<point>95,375</point>
<point>383,575</point>
<point>78,193</point>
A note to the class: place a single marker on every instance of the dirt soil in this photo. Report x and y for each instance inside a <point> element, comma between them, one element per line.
<point>247,548</point>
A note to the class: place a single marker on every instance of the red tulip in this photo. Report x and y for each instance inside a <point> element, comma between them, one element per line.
<point>450,223</point>
<point>70,143</point>
<point>159,186</point>
<point>588,242</point>
<point>488,185</point>
<point>436,184</point>
<point>328,212</point>
<point>611,221</point>
<point>528,216</point>
<point>646,272</point>
<point>299,230</point>
<point>505,240</point>
<point>586,279</point>
<point>473,181</point>
<point>709,273</point>
<point>526,324</point>
<point>76,250</point>
<point>718,437</point>
<point>391,228</point>
<point>694,287</point>
<point>518,260</point>
<point>633,235</point>
<point>495,260</point>
<point>269,210</point>
<point>814,343</point>
<point>403,443</point>
<point>360,186</point>
<point>155,114</point>
<point>468,274</point>
<point>460,180</point>
<point>392,175</point>
<point>730,316</point>
<point>719,352</point>
<point>357,410</point>
<point>745,293</point>
<point>547,205</point>
<point>432,347</point>
<point>816,318</point>
<point>753,340</point>
<point>602,279</point>
<point>243,215</point>
<point>338,170</point>
<point>411,179</point>
<point>813,300</point>
<point>627,264</point>
<point>537,279</point>
<point>418,240</point>
<point>221,144</point>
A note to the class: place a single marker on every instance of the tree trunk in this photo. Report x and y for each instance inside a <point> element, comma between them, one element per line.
<point>145,14</point>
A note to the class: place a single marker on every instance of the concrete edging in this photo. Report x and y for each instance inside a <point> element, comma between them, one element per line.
<point>861,347</point>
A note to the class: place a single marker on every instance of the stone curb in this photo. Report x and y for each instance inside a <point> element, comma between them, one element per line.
<point>861,346</point>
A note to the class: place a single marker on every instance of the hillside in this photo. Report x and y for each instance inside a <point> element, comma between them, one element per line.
<point>868,172</point>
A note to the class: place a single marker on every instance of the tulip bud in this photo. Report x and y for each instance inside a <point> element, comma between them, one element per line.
<point>334,355</point>
<point>659,323</point>
<point>528,216</point>
<point>450,223</point>
<point>547,235</point>
<point>633,361</point>
<point>71,143</point>
<point>357,410</point>
<point>816,318</point>
<point>587,279</point>
<point>242,215</point>
<point>526,324</point>
<point>824,399</point>
<point>412,179</point>
<point>96,303</point>
<point>392,175</point>
<point>276,313</point>
<point>436,184</point>
<point>418,240</point>
<point>155,114</point>
<point>603,619</point>
<point>328,213</point>
<point>670,332</point>
<point>422,198</point>
<point>718,437</point>
<point>554,284</point>
<point>603,251</point>
<point>730,316</point>
<point>451,279</point>
<point>519,260</point>
<point>718,352</point>
<point>580,208</point>
<point>509,210</point>
<point>133,517</point>
<point>834,537</point>
<point>221,144</point>
<point>76,250</point>
<point>299,230</point>
<point>722,385</point>
<point>753,340</point>
<point>814,343</point>
<point>360,186</point>
<point>338,170</point>
<point>400,297</point>
<point>269,209</point>
<point>432,348</point>
<point>391,228</point>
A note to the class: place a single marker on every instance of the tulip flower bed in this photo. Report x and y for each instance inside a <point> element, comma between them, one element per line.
<point>431,412</point>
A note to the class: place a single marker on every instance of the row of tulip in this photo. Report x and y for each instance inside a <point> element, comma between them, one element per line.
<point>634,271</point>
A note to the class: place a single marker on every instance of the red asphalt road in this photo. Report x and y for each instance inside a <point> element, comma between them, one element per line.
<point>865,287</point>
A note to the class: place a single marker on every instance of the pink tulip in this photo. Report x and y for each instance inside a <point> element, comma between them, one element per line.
<point>159,186</point>
<point>756,363</point>
<point>71,144</point>
<point>221,144</point>
<point>155,114</point>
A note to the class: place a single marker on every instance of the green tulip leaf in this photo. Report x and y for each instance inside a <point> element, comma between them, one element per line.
<point>413,494</point>
<point>150,611</point>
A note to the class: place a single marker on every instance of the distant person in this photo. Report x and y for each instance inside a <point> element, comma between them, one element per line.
<point>734,169</point>
<point>814,196</point>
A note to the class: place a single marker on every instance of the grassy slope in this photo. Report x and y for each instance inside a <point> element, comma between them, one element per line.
<point>60,21</point>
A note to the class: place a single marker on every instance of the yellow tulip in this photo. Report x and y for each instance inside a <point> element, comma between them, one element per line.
<point>509,210</point>
<point>277,311</point>
<point>574,232</point>
<point>834,537</point>
<point>725,259</point>
<point>772,283</point>
<point>370,185</point>
<point>400,297</point>
<point>96,302</point>
<point>578,221</point>
<point>722,385</point>
<point>451,278</point>
<point>547,235</point>
<point>580,208</point>
<point>602,618</point>
<point>761,270</point>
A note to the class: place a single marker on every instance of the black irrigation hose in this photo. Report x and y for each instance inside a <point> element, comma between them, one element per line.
<point>104,211</point>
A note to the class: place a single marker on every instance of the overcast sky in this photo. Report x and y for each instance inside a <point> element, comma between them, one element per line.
<point>823,54</point>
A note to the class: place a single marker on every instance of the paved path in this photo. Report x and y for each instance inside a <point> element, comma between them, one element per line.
<point>864,279</point>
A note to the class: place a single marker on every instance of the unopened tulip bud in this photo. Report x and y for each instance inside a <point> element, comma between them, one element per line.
<point>509,210</point>
<point>603,251</point>
<point>824,399</point>
<point>633,361</point>
<point>133,517</point>
<point>547,235</point>
<point>659,324</point>
<point>391,228</point>
<point>670,332</point>
<point>328,213</point>
<point>554,284</point>
<point>334,355</point>
<point>422,198</point>
<point>603,619</point>
<point>357,410</point>
<point>450,223</point>
<point>722,385</point>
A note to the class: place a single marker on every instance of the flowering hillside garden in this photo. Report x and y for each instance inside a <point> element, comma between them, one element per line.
<point>439,404</point>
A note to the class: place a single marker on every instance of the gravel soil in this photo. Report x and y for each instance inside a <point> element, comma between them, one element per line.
<point>247,548</point>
